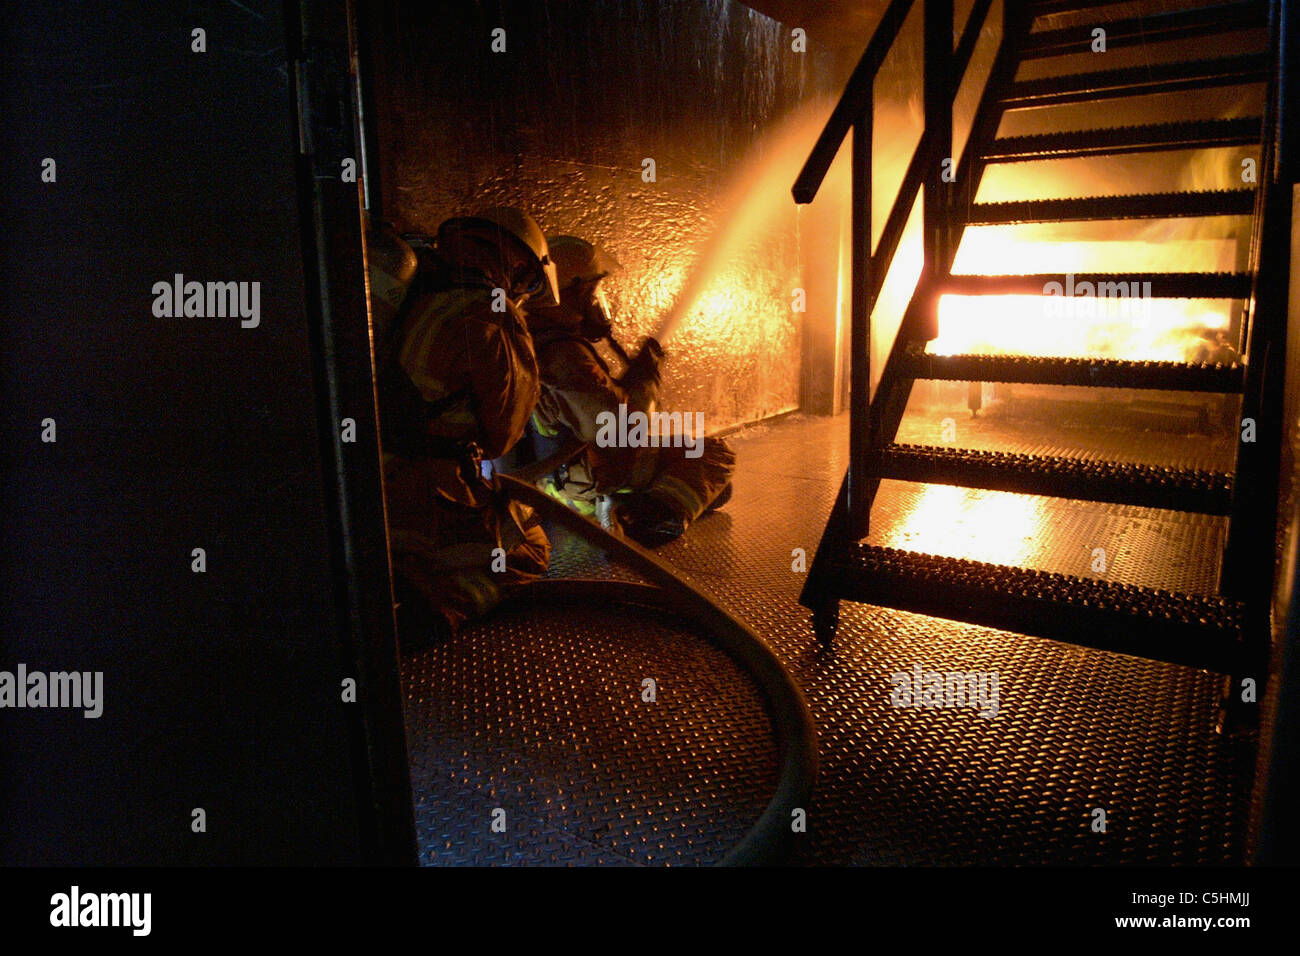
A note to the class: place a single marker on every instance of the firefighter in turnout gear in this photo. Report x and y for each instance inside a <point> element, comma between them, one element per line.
<point>457,380</point>
<point>654,492</point>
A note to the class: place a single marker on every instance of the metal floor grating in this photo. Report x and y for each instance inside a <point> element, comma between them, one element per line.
<point>1076,729</point>
<point>541,713</point>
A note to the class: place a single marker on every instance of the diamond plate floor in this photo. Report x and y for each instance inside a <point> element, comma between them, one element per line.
<point>492,719</point>
<point>542,714</point>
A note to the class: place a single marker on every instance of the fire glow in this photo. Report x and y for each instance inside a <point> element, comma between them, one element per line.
<point>713,292</point>
<point>1092,325</point>
<point>1171,330</point>
<point>940,520</point>
<point>1084,324</point>
<point>756,204</point>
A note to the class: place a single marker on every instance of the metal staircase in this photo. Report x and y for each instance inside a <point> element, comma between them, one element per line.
<point>1227,632</point>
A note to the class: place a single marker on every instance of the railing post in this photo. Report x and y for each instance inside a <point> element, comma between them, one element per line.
<point>1248,561</point>
<point>1288,93</point>
<point>859,510</point>
<point>938,128</point>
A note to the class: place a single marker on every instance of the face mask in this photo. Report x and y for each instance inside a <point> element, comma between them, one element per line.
<point>595,322</point>
<point>527,282</point>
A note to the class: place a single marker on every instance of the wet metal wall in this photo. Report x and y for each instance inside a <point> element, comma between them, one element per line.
<point>562,122</point>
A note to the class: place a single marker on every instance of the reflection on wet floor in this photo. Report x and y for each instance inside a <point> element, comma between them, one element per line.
<point>1076,729</point>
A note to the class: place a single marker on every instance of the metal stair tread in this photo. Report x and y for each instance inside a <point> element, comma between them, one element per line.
<point>1112,140</point>
<point>1164,285</point>
<point>1170,205</point>
<point>1195,630</point>
<point>1149,28</point>
<point>1180,489</point>
<point>1138,80</point>
<point>1095,373</point>
<point>1042,8</point>
<point>1045,584</point>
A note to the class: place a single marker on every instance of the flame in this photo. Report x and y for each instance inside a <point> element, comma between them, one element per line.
<point>1087,327</point>
<point>1083,326</point>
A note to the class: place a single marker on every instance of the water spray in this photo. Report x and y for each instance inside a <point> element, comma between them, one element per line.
<point>753,204</point>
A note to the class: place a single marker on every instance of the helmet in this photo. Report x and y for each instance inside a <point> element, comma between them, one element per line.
<point>391,265</point>
<point>578,260</point>
<point>544,287</point>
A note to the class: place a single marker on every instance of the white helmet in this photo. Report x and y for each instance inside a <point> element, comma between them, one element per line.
<point>578,260</point>
<point>392,267</point>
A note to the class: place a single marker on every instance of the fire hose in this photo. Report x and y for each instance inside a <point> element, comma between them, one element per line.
<point>768,839</point>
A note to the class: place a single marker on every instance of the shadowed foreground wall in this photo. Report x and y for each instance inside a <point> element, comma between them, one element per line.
<point>220,688</point>
<point>560,124</point>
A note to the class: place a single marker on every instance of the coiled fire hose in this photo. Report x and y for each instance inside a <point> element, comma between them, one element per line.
<point>768,839</point>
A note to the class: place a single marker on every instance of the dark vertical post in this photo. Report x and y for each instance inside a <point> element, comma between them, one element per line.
<point>334,263</point>
<point>860,332</point>
<point>1249,558</point>
<point>938,128</point>
<point>988,114</point>
<point>1016,21</point>
<point>1288,93</point>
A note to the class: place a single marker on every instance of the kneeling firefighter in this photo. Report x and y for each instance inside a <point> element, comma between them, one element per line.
<point>655,492</point>
<point>457,380</point>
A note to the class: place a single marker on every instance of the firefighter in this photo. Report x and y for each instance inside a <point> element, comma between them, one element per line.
<point>654,492</point>
<point>392,267</point>
<point>457,380</point>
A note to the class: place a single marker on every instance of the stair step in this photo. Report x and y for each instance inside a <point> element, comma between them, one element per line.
<point>1179,628</point>
<point>1195,134</point>
<point>1205,492</point>
<point>1093,373</point>
<point>1139,80</point>
<point>1042,8</point>
<point>1153,28</point>
<point>1163,285</point>
<point>1220,202</point>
